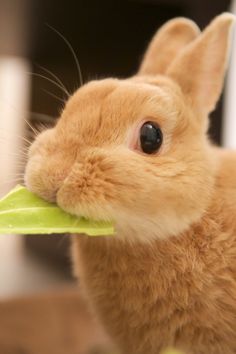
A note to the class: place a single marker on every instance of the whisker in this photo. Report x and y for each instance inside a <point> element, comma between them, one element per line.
<point>55,96</point>
<point>19,155</point>
<point>35,115</point>
<point>15,175</point>
<point>42,126</point>
<point>30,126</point>
<point>25,120</point>
<point>20,167</point>
<point>54,76</point>
<point>22,157</point>
<point>25,149</point>
<point>43,117</point>
<point>52,81</point>
<point>20,163</point>
<point>72,51</point>
<point>15,178</point>
<point>16,136</point>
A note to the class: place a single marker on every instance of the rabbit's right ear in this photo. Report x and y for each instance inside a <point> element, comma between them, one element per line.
<point>166,44</point>
<point>200,68</point>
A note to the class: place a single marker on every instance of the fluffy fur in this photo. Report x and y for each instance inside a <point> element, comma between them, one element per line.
<point>168,277</point>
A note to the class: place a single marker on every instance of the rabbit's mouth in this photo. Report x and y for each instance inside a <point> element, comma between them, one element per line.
<point>92,209</point>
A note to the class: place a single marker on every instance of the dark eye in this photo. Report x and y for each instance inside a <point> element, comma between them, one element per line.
<point>150,137</point>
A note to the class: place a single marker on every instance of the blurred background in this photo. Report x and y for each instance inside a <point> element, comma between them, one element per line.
<point>36,62</point>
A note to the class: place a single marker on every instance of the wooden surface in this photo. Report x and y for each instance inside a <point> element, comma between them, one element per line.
<point>50,323</point>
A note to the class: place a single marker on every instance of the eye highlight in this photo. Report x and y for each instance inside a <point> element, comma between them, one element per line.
<point>151,137</point>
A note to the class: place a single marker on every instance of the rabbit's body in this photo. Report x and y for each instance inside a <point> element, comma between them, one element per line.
<point>179,292</point>
<point>136,152</point>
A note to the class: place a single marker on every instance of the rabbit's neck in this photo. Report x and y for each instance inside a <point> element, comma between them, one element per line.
<point>143,285</point>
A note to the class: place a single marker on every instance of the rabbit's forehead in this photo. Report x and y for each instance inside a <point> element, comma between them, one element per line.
<point>107,109</point>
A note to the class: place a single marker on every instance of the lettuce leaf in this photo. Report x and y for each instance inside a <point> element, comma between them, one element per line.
<point>22,212</point>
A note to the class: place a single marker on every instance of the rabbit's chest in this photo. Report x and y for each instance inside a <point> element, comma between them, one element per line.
<point>142,298</point>
<point>170,295</point>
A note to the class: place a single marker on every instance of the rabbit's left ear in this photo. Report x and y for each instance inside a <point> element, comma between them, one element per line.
<point>200,68</point>
<point>166,44</point>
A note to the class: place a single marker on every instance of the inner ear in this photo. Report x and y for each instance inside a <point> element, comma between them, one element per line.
<point>166,44</point>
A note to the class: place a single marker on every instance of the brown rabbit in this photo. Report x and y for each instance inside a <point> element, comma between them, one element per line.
<point>136,151</point>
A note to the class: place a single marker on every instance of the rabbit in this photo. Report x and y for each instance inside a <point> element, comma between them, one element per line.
<point>136,152</point>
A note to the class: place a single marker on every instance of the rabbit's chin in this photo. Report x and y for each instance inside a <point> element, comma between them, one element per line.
<point>131,227</point>
<point>146,229</point>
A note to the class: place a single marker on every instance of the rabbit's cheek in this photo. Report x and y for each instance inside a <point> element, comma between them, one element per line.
<point>100,186</point>
<point>85,191</point>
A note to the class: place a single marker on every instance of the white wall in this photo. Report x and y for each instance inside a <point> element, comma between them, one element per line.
<point>229,118</point>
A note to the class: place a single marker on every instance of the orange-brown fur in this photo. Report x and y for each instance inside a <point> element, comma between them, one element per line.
<point>168,276</point>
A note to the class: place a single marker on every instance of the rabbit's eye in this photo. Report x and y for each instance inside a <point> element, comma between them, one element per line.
<point>150,137</point>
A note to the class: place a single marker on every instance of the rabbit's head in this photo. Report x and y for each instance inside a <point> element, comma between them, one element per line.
<point>136,151</point>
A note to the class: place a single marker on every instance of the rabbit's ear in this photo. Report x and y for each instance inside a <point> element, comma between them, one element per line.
<point>200,68</point>
<point>169,40</point>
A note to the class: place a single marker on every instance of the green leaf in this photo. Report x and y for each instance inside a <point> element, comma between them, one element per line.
<point>22,212</point>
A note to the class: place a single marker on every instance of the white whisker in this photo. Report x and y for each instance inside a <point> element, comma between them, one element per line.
<point>72,51</point>
<point>52,81</point>
<point>54,76</point>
